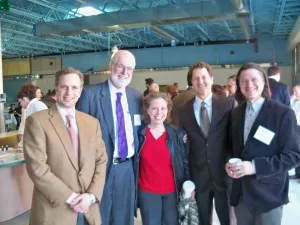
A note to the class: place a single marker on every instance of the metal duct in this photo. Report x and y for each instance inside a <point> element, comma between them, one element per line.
<point>242,14</point>
<point>130,19</point>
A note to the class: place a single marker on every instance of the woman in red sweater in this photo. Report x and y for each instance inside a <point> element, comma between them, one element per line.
<point>161,165</point>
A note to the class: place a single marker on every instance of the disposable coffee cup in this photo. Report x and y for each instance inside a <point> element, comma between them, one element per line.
<point>188,188</point>
<point>235,160</point>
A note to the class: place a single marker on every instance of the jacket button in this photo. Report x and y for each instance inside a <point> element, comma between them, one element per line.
<point>206,144</point>
<point>209,161</point>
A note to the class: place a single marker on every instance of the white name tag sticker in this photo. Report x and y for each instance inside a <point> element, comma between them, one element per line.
<point>137,120</point>
<point>264,135</point>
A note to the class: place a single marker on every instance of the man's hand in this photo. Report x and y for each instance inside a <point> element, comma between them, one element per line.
<point>239,170</point>
<point>81,203</point>
<point>185,138</point>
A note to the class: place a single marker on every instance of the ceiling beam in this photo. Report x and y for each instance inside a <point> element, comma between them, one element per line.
<point>294,37</point>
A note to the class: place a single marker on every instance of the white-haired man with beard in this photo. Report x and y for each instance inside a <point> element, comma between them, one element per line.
<point>117,107</point>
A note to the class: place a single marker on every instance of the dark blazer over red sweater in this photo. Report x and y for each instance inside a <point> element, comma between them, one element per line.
<point>268,188</point>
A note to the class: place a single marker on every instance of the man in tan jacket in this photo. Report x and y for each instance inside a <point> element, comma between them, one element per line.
<point>65,158</point>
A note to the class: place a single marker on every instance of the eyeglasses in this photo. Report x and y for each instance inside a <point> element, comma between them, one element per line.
<point>121,67</point>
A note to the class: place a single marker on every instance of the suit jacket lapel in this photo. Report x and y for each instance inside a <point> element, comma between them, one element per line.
<point>106,107</point>
<point>83,140</point>
<point>191,116</point>
<point>216,112</point>
<point>240,121</point>
<point>61,130</point>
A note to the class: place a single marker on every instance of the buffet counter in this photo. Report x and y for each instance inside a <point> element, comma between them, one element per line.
<point>15,185</point>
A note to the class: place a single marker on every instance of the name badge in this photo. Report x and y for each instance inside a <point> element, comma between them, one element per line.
<point>264,135</point>
<point>137,120</point>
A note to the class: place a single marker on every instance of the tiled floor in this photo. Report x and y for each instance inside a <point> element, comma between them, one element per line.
<point>290,211</point>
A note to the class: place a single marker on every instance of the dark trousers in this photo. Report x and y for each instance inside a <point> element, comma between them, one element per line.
<point>204,201</point>
<point>117,204</point>
<point>158,209</point>
<point>245,217</point>
<point>81,220</point>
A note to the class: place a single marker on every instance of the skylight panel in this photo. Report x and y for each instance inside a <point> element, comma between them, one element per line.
<point>87,11</point>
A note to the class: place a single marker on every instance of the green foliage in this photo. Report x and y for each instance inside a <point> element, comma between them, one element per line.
<point>4,5</point>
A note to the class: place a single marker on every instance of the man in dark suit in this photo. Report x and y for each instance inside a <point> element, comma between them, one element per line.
<point>265,137</point>
<point>205,119</point>
<point>181,99</point>
<point>280,92</point>
<point>117,107</point>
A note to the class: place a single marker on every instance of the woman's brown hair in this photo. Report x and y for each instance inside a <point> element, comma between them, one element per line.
<point>147,101</point>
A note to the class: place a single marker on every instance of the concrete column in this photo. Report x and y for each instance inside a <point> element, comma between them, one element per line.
<point>2,121</point>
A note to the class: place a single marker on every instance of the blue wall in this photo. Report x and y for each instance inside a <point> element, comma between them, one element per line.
<point>270,50</point>
<point>12,87</point>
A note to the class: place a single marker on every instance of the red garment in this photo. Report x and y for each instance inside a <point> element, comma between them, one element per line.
<point>156,171</point>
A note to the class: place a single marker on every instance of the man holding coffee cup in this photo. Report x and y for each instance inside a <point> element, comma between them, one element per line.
<point>205,119</point>
<point>265,139</point>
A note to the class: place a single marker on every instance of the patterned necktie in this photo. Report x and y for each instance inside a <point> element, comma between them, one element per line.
<point>204,119</point>
<point>73,135</point>
<point>122,141</point>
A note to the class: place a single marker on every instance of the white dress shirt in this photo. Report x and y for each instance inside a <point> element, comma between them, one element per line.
<point>34,106</point>
<point>127,120</point>
<point>197,106</point>
<point>295,104</point>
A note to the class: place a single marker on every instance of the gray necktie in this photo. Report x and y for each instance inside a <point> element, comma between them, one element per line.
<point>248,121</point>
<point>204,119</point>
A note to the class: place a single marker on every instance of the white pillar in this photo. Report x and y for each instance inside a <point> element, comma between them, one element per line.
<point>2,121</point>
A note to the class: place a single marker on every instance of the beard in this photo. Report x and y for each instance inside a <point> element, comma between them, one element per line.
<point>120,83</point>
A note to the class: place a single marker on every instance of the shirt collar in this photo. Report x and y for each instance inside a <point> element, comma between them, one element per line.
<point>32,101</point>
<point>63,112</point>
<point>208,100</point>
<point>113,89</point>
<point>257,104</point>
<point>275,77</point>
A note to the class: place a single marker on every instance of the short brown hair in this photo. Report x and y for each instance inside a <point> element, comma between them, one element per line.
<point>232,77</point>
<point>66,71</point>
<point>202,65</point>
<point>266,91</point>
<point>273,70</point>
<point>147,101</point>
<point>27,90</point>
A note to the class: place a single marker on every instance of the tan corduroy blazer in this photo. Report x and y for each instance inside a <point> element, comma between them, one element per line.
<point>51,164</point>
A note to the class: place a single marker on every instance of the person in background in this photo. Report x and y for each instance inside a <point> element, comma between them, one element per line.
<point>49,99</point>
<point>65,158</point>
<point>264,135</point>
<point>279,91</point>
<point>205,118</point>
<point>172,91</point>
<point>30,103</point>
<point>154,87</point>
<point>218,90</point>
<point>148,82</point>
<point>118,108</point>
<point>39,93</point>
<point>182,99</point>
<point>15,111</point>
<point>161,165</point>
<point>231,86</point>
<point>295,104</point>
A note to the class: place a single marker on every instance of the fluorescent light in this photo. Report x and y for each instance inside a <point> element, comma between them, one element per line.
<point>87,11</point>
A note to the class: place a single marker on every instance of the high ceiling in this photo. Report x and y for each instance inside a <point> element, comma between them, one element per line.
<point>216,20</point>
